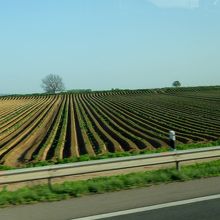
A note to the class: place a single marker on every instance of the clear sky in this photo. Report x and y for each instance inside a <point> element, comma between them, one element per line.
<point>104,44</point>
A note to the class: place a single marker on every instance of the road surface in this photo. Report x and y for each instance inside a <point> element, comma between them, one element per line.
<point>207,210</point>
<point>123,200</point>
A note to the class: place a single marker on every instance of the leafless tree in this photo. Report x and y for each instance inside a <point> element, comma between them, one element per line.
<point>52,83</point>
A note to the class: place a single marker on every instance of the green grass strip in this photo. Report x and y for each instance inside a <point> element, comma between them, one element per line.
<point>107,184</point>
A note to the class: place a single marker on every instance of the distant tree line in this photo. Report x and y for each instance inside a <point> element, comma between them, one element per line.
<point>79,90</point>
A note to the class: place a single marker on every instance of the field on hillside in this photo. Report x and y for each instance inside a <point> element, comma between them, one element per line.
<point>51,127</point>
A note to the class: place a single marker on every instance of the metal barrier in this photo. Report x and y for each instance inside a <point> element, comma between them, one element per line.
<point>96,166</point>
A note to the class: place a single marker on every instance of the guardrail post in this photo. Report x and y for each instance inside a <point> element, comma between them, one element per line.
<point>50,184</point>
<point>178,165</point>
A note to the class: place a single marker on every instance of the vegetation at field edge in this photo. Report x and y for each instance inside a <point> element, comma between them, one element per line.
<point>86,157</point>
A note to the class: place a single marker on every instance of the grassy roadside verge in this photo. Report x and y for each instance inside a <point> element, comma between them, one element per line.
<point>66,190</point>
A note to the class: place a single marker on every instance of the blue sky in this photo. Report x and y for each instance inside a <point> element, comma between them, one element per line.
<point>104,44</point>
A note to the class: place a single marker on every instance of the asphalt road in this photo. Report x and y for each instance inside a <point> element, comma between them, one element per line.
<point>117,201</point>
<point>208,210</point>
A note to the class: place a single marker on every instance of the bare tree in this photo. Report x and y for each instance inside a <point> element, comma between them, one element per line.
<point>52,83</point>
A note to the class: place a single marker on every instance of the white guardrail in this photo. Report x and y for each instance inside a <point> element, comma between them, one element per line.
<point>96,166</point>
